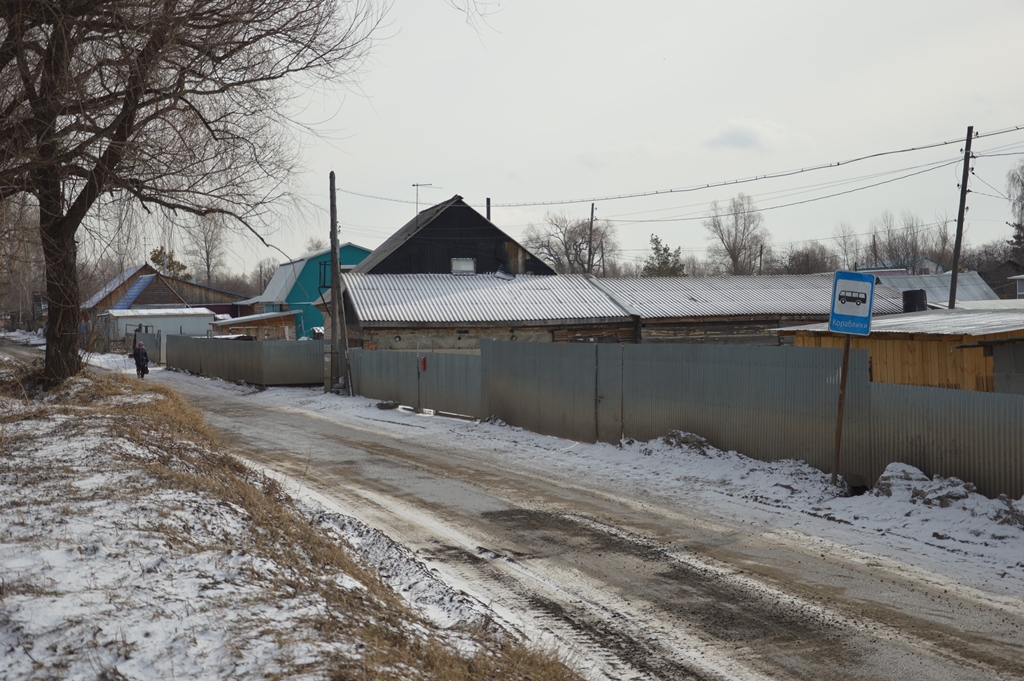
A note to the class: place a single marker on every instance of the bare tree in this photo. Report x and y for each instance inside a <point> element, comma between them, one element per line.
<point>937,243</point>
<point>179,104</point>
<point>206,245</point>
<point>21,259</point>
<point>571,246</point>
<point>739,238</point>
<point>262,274</point>
<point>896,245</point>
<point>701,267</point>
<point>316,245</point>
<point>847,245</point>
<point>812,257</point>
<point>620,269</point>
<point>1015,191</point>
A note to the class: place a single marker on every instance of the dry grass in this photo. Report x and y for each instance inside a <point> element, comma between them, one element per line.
<point>391,642</point>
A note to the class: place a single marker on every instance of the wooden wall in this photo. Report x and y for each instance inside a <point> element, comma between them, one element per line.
<point>918,359</point>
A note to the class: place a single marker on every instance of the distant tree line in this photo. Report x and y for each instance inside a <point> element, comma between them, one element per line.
<point>739,243</point>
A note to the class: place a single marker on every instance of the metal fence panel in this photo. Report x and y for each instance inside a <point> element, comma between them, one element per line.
<point>386,375</point>
<point>768,402</point>
<point>258,363</point>
<point>292,362</point>
<point>451,383</point>
<point>609,393</point>
<point>180,354</point>
<point>974,436</point>
<point>545,388</point>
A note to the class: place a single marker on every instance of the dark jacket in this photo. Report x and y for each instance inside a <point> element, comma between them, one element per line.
<point>141,357</point>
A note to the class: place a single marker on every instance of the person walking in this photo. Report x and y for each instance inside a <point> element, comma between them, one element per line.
<point>141,360</point>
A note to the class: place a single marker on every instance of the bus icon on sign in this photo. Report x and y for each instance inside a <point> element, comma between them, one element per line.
<point>855,297</point>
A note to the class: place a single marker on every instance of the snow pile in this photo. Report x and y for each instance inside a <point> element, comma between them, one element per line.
<point>33,338</point>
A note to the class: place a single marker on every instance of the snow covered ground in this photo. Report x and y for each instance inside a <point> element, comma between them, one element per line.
<point>939,525</point>
<point>91,564</point>
<point>131,552</point>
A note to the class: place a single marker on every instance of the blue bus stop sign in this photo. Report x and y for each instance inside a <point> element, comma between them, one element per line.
<point>852,296</point>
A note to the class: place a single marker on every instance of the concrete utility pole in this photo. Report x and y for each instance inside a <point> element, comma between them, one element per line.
<point>960,217</point>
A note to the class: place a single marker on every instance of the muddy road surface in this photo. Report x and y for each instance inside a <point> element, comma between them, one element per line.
<point>634,587</point>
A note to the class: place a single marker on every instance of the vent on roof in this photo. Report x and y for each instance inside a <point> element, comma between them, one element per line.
<point>464,266</point>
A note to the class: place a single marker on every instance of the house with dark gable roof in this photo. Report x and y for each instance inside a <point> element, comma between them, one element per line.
<point>451,230</point>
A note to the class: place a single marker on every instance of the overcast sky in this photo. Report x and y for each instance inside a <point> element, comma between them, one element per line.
<point>549,100</point>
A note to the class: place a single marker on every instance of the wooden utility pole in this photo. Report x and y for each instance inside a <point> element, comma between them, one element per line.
<point>590,243</point>
<point>960,217</point>
<point>488,208</point>
<point>335,293</point>
<point>842,404</point>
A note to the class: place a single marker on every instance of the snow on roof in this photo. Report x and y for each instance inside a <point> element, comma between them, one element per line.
<point>448,298</point>
<point>956,322</point>
<point>788,294</point>
<point>969,286</point>
<point>162,312</point>
<point>255,318</point>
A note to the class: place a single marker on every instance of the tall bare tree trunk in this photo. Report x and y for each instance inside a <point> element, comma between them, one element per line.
<point>60,255</point>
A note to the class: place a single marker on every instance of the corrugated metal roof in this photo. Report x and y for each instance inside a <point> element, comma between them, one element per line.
<point>969,286</point>
<point>133,292</point>
<point>109,287</point>
<point>163,312</point>
<point>791,294</point>
<point>280,284</point>
<point>954,322</point>
<point>1001,304</point>
<point>448,298</point>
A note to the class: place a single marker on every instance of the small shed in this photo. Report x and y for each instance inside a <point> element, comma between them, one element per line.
<point>191,321</point>
<point>936,348</point>
<point>454,313</point>
<point>1019,280</point>
<point>742,309</point>
<point>265,326</point>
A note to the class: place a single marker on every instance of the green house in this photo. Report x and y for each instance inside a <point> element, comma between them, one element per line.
<point>297,285</point>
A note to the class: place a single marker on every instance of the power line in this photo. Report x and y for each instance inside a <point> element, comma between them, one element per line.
<point>799,203</point>
<point>797,190</point>
<point>724,183</point>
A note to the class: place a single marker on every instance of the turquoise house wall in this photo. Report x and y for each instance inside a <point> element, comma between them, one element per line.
<point>306,290</point>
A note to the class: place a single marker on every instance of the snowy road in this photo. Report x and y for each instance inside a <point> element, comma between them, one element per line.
<point>639,586</point>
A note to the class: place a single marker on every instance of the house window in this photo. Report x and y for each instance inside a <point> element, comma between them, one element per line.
<point>271,307</point>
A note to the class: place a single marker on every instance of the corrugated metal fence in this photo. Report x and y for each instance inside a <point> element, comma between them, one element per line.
<point>770,403</point>
<point>432,380</point>
<point>255,362</point>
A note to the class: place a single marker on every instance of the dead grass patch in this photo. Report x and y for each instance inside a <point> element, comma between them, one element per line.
<point>386,639</point>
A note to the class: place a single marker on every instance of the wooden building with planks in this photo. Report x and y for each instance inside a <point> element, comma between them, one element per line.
<point>935,348</point>
<point>451,230</point>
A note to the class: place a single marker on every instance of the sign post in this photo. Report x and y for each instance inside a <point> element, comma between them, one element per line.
<point>853,294</point>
